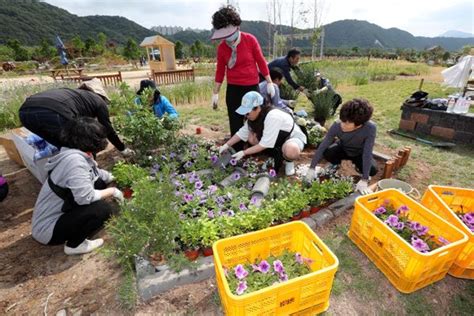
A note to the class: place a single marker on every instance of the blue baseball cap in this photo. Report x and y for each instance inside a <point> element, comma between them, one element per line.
<point>249,101</point>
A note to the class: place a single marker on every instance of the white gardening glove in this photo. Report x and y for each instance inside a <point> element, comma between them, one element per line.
<point>239,155</point>
<point>223,148</point>
<point>118,195</point>
<point>292,104</point>
<point>318,91</point>
<point>313,173</point>
<point>215,100</point>
<point>362,187</point>
<point>110,178</point>
<point>127,152</point>
<point>271,89</point>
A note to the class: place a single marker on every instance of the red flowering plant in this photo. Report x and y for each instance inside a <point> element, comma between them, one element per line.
<point>416,234</point>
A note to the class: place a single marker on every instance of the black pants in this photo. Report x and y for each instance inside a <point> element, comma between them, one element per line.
<point>233,100</point>
<point>335,154</point>
<point>43,122</point>
<point>81,222</point>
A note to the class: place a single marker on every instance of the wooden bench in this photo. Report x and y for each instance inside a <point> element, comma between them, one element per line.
<point>173,76</point>
<point>107,80</point>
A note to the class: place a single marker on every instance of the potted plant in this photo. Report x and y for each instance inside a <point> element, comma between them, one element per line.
<point>126,175</point>
<point>190,238</point>
<point>208,235</point>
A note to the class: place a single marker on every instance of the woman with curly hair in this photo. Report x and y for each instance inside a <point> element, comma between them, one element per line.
<point>239,59</point>
<point>355,135</point>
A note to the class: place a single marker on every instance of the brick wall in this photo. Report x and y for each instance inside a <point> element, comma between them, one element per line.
<point>453,127</point>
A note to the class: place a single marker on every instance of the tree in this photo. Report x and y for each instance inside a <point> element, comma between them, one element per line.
<point>6,53</point>
<point>78,44</point>
<point>179,50</point>
<point>90,46</point>
<point>131,51</point>
<point>44,52</point>
<point>21,53</point>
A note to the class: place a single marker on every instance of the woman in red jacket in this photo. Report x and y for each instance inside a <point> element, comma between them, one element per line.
<point>240,59</point>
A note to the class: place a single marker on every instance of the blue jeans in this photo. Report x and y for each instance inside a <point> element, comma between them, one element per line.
<point>45,123</point>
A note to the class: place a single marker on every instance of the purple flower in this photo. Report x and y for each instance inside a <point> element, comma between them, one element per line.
<point>242,207</point>
<point>419,244</point>
<point>194,154</point>
<point>415,226</point>
<point>400,226</point>
<point>177,193</point>
<point>253,200</point>
<point>172,155</point>
<point>194,146</point>
<point>468,218</point>
<point>443,241</point>
<point>245,164</point>
<point>210,214</point>
<point>392,221</point>
<point>240,272</point>
<point>182,216</point>
<point>220,200</point>
<point>272,173</point>
<point>198,184</point>
<point>188,164</point>
<point>233,162</point>
<point>299,258</point>
<point>402,210</point>
<point>278,266</point>
<point>283,277</point>
<point>235,176</point>
<point>379,211</point>
<point>212,188</point>
<point>176,183</point>
<point>188,197</point>
<point>199,193</point>
<point>241,287</point>
<point>264,266</point>
<point>214,159</point>
<point>230,213</point>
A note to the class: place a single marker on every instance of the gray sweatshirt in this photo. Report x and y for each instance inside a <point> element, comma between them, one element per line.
<point>75,170</point>
<point>356,143</point>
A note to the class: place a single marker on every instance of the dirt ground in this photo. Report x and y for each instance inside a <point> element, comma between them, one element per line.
<point>37,279</point>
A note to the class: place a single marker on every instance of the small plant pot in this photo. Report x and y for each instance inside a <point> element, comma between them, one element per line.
<point>207,252</point>
<point>315,209</point>
<point>305,213</point>
<point>127,193</point>
<point>191,254</point>
<point>198,130</point>
<point>296,217</point>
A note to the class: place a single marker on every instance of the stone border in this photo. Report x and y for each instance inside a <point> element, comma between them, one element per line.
<point>152,280</point>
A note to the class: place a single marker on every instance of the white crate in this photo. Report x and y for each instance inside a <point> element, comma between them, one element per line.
<point>27,153</point>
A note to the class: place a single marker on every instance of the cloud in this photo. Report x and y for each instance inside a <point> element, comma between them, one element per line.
<point>426,18</point>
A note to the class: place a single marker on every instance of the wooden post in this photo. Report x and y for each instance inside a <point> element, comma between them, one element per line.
<point>406,155</point>
<point>388,170</point>
<point>396,164</point>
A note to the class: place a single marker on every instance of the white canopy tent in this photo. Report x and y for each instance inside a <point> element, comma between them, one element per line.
<point>458,75</point>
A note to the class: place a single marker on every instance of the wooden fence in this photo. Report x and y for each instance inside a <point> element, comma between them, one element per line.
<point>107,80</point>
<point>173,76</point>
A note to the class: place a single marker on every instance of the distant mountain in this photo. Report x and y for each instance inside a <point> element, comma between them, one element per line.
<point>345,33</point>
<point>453,33</point>
<point>31,21</point>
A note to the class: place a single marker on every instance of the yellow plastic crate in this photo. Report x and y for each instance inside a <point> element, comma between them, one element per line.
<point>407,269</point>
<point>444,201</point>
<point>308,294</point>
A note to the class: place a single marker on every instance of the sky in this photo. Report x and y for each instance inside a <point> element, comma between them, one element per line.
<point>419,17</point>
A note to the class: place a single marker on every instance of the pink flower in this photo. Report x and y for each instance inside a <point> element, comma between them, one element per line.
<point>240,272</point>
<point>272,173</point>
<point>468,218</point>
<point>402,210</point>
<point>299,258</point>
<point>392,221</point>
<point>241,287</point>
<point>278,266</point>
<point>400,226</point>
<point>264,266</point>
<point>283,277</point>
<point>379,211</point>
<point>419,244</point>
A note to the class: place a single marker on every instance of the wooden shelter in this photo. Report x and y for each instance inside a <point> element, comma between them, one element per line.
<point>160,53</point>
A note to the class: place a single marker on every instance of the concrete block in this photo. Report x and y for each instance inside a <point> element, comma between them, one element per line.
<point>420,118</point>
<point>310,222</point>
<point>166,279</point>
<point>407,125</point>
<point>340,207</point>
<point>322,217</point>
<point>443,132</point>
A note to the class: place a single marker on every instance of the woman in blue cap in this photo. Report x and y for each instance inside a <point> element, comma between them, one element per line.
<point>268,128</point>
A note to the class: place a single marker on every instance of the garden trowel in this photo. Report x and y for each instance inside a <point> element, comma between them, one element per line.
<point>224,158</point>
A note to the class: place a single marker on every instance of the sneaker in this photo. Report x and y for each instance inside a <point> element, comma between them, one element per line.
<point>85,247</point>
<point>289,168</point>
